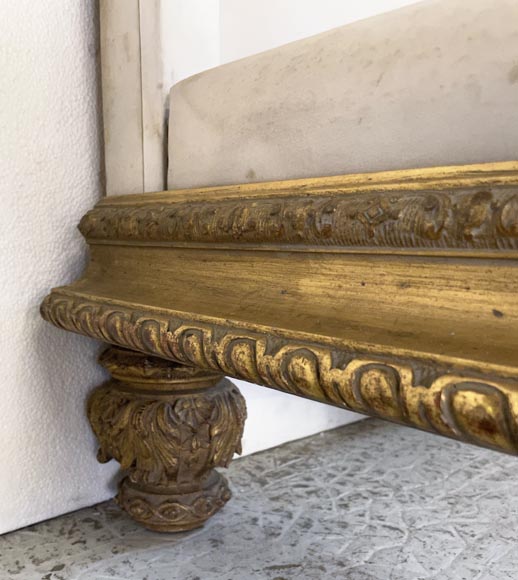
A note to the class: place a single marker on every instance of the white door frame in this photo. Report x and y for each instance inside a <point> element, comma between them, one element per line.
<point>138,70</point>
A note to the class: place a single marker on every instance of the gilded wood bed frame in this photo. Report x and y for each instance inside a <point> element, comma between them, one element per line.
<point>390,294</point>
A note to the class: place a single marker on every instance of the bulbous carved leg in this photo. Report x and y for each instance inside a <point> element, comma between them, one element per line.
<point>168,426</point>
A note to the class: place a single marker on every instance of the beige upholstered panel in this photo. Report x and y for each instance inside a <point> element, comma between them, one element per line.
<point>435,83</point>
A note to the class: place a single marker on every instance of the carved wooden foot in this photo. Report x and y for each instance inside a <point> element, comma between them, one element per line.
<point>168,425</point>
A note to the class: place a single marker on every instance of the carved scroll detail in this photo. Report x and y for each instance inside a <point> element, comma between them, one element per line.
<point>456,403</point>
<point>463,219</point>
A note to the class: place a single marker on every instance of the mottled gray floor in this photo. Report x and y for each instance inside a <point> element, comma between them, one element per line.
<point>367,501</point>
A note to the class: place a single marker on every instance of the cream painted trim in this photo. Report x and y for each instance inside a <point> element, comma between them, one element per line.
<point>154,96</point>
<point>133,96</point>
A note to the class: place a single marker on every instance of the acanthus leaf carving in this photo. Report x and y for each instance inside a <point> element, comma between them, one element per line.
<point>168,426</point>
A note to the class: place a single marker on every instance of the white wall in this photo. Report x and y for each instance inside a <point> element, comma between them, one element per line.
<point>49,177</point>
<point>190,38</point>
<point>251,26</point>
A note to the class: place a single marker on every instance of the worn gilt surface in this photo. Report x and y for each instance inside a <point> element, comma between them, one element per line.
<point>168,426</point>
<point>467,207</point>
<point>390,294</point>
<point>479,218</point>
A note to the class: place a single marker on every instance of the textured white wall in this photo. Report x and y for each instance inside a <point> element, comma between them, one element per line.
<point>49,177</point>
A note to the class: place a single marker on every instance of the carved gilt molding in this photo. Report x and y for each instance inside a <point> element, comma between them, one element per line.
<point>479,219</point>
<point>476,211</point>
<point>389,294</point>
<point>457,403</point>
